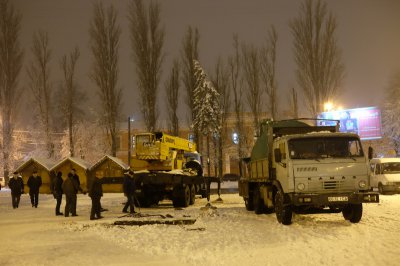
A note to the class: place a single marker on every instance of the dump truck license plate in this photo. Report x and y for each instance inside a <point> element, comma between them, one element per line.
<point>330,199</point>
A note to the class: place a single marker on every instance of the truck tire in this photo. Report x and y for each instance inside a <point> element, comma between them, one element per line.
<point>192,194</point>
<point>259,206</point>
<point>181,196</point>
<point>249,202</point>
<point>380,189</point>
<point>353,212</point>
<point>283,212</point>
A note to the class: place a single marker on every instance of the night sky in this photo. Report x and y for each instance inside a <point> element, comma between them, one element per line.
<point>368,34</point>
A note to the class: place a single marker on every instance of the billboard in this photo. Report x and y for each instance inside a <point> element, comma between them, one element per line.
<point>366,122</point>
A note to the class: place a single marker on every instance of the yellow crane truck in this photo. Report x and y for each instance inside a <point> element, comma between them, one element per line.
<point>166,166</point>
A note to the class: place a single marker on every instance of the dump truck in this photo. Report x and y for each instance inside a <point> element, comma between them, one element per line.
<point>166,167</point>
<point>299,166</point>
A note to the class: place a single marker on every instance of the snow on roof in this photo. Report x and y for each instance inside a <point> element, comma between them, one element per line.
<point>112,158</point>
<point>44,162</point>
<point>80,162</point>
<point>385,160</point>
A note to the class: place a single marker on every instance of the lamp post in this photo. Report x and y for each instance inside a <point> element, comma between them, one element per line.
<point>130,119</point>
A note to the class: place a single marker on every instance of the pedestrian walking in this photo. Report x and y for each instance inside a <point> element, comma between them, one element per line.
<point>34,183</point>
<point>129,191</point>
<point>70,188</point>
<point>95,193</point>
<point>58,192</point>
<point>17,188</point>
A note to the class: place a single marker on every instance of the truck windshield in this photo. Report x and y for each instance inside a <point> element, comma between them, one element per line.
<point>325,147</point>
<point>143,139</point>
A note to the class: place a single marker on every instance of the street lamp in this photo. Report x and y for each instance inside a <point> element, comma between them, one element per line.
<point>130,119</point>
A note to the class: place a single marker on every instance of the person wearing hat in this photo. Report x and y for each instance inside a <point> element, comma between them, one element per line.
<point>57,191</point>
<point>70,188</point>
<point>129,191</point>
<point>34,183</point>
<point>95,193</point>
<point>17,188</point>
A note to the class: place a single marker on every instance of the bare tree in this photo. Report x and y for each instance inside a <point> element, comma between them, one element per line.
<point>105,33</point>
<point>40,85</point>
<point>251,71</point>
<point>236,82</point>
<point>190,52</point>
<point>11,57</point>
<point>147,38</point>
<point>320,70</point>
<point>70,96</point>
<point>294,106</point>
<point>172,89</point>
<point>268,70</point>
<point>220,81</point>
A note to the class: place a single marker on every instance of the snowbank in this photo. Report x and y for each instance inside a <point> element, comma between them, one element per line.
<point>228,235</point>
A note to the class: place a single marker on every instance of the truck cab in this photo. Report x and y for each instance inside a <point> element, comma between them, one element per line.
<point>297,167</point>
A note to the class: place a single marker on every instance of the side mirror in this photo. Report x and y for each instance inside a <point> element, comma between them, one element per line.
<point>370,152</point>
<point>277,155</point>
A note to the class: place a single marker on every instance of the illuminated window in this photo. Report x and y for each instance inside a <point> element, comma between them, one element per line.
<point>235,138</point>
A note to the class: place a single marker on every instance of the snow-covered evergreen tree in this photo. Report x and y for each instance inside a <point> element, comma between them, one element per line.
<point>207,111</point>
<point>206,103</point>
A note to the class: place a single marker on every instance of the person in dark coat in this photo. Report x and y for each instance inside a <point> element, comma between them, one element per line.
<point>17,188</point>
<point>34,183</point>
<point>76,177</point>
<point>95,193</point>
<point>129,191</point>
<point>70,188</point>
<point>57,191</point>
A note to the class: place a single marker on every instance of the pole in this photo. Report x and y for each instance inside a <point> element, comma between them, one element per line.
<point>129,141</point>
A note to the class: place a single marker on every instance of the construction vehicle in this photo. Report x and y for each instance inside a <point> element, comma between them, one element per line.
<point>166,166</point>
<point>297,166</point>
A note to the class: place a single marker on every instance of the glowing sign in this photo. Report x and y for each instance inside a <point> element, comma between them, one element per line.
<point>366,122</point>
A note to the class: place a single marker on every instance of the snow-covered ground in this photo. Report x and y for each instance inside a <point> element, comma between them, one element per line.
<point>228,235</point>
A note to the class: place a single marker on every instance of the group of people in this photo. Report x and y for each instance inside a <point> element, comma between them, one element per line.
<point>70,188</point>
<point>17,188</point>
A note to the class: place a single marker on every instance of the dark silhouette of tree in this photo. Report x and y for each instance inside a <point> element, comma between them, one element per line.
<point>147,39</point>
<point>172,90</point>
<point>11,57</point>
<point>320,70</point>
<point>41,87</point>
<point>268,71</point>
<point>104,41</point>
<point>253,91</point>
<point>70,97</point>
<point>190,52</point>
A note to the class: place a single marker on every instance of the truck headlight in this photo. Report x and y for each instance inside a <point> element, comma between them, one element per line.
<point>362,184</point>
<point>301,186</point>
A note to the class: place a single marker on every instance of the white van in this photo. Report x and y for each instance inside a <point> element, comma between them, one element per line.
<point>385,174</point>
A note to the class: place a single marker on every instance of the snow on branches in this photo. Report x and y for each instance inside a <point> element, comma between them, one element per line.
<point>207,111</point>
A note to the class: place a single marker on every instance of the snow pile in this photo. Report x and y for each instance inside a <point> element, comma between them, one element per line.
<point>227,235</point>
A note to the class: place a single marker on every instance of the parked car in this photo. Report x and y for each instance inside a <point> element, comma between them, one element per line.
<point>385,174</point>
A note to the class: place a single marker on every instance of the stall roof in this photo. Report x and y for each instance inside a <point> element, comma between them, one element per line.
<point>80,162</point>
<point>44,162</point>
<point>114,159</point>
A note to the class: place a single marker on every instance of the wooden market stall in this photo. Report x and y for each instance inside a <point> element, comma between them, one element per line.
<point>81,166</point>
<point>111,171</point>
<point>43,167</point>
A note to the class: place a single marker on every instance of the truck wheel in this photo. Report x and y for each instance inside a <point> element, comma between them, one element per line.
<point>259,206</point>
<point>249,202</point>
<point>283,212</point>
<point>192,194</point>
<point>186,196</point>
<point>353,212</point>
<point>380,189</point>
